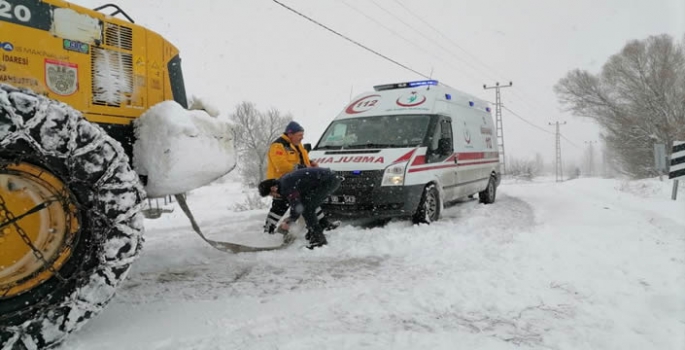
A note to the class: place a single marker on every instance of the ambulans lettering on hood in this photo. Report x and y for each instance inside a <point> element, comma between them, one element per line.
<point>353,159</point>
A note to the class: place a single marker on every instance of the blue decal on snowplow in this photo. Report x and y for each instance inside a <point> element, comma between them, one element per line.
<point>7,46</point>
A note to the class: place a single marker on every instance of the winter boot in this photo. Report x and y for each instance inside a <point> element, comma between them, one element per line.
<point>316,239</point>
<point>329,225</point>
<point>270,229</point>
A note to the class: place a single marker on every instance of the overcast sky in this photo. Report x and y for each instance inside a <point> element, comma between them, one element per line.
<point>256,50</point>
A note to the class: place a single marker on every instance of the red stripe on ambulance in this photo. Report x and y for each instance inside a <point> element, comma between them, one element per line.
<point>484,157</point>
<point>405,157</point>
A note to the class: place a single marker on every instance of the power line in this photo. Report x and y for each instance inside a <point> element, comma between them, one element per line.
<point>522,97</point>
<point>351,40</point>
<point>526,121</point>
<point>395,33</point>
<point>569,141</point>
<point>421,49</point>
<point>398,63</point>
<point>380,24</point>
<point>539,128</point>
<point>426,36</point>
<point>446,37</point>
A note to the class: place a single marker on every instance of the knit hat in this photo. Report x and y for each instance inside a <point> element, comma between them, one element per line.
<point>293,127</point>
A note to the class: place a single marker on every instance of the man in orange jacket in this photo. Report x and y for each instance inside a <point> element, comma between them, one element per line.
<point>285,155</point>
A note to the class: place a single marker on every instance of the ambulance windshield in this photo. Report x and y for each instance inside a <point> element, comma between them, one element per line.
<point>392,131</point>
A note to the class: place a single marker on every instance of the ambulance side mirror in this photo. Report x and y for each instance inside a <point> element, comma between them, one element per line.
<point>445,147</point>
<point>308,147</point>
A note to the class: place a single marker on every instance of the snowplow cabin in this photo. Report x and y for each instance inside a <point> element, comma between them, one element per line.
<point>110,69</point>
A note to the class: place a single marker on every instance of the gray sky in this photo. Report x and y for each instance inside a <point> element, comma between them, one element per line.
<point>256,50</point>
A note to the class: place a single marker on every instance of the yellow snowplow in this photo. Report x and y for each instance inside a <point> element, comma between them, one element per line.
<point>92,108</point>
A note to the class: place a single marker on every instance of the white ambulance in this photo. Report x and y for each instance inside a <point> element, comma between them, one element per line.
<point>406,149</point>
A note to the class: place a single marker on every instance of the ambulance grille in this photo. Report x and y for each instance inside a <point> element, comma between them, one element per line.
<point>360,179</point>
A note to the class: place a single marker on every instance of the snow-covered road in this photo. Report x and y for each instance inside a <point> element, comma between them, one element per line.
<point>584,264</point>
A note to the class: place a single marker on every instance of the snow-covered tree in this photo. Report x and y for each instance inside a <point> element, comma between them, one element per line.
<point>571,171</point>
<point>524,169</point>
<point>254,132</point>
<point>540,163</point>
<point>637,99</point>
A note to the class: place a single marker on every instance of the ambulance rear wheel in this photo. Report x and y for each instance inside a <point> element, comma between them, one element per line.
<point>70,219</point>
<point>488,195</point>
<point>429,207</point>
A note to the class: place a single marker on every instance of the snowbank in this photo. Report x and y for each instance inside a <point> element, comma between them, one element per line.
<point>582,264</point>
<point>180,150</point>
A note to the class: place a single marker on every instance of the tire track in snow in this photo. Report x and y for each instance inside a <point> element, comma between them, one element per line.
<point>357,261</point>
<point>353,254</point>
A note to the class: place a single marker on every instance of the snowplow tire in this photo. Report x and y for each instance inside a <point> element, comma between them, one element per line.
<point>107,197</point>
<point>429,208</point>
<point>488,195</point>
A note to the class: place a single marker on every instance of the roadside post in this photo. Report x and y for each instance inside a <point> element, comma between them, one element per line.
<point>660,159</point>
<point>677,170</point>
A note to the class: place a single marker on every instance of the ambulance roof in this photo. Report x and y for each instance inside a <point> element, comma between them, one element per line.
<point>413,97</point>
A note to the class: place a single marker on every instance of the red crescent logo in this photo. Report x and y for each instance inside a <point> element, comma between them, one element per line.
<point>410,104</point>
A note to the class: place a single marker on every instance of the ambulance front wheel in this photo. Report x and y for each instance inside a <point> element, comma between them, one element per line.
<point>429,207</point>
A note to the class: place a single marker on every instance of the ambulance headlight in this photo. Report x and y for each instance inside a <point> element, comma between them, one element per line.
<point>394,175</point>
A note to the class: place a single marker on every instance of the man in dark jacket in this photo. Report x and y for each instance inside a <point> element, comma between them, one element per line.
<point>305,190</point>
<point>286,154</point>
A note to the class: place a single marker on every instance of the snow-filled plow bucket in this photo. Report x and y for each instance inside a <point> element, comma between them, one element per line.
<point>178,150</point>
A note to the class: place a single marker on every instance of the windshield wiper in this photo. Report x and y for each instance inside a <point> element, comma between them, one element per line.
<point>401,145</point>
<point>327,147</point>
<point>367,145</point>
<point>373,145</point>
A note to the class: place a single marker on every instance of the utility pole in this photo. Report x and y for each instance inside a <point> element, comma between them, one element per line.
<point>558,169</point>
<point>591,157</point>
<point>498,122</point>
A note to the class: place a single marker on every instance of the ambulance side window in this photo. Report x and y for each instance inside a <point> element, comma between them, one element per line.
<point>441,145</point>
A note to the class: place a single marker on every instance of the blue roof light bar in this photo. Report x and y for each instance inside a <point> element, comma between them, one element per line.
<point>422,83</point>
<point>408,84</point>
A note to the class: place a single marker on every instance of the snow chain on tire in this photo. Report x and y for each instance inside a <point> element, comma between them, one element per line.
<point>106,196</point>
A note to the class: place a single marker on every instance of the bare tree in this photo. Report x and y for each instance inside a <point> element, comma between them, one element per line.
<point>572,171</point>
<point>539,164</point>
<point>254,132</point>
<point>637,99</point>
<point>609,163</point>
<point>588,160</point>
<point>523,168</point>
